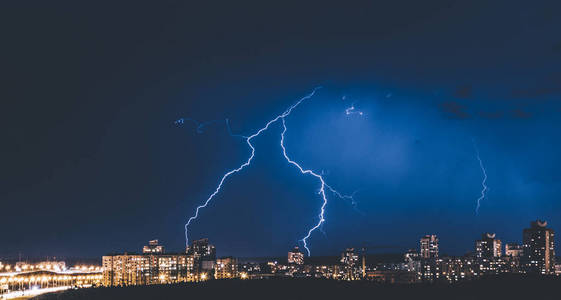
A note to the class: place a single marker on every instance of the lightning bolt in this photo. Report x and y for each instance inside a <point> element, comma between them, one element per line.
<point>246,163</point>
<point>485,188</point>
<point>321,190</point>
<point>323,187</point>
<point>248,140</point>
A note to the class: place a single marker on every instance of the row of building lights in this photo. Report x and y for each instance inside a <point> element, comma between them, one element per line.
<point>48,278</point>
<point>55,267</point>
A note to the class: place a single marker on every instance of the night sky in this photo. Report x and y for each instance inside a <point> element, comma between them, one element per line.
<point>91,160</point>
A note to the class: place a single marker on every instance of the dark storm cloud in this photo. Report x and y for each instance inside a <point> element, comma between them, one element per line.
<point>91,90</point>
<point>463,92</point>
<point>545,173</point>
<point>521,114</point>
<point>455,110</point>
<point>536,92</point>
<point>550,85</point>
<point>491,115</point>
<point>556,47</point>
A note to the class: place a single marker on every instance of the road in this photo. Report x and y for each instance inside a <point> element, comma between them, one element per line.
<point>32,292</point>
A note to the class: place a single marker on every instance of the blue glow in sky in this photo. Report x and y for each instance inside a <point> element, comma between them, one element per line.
<point>93,158</point>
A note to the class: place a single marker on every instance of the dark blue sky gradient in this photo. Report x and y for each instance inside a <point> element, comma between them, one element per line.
<point>92,162</point>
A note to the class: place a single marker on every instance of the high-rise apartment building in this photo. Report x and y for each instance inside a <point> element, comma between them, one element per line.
<point>349,257</point>
<point>488,246</point>
<point>429,246</point>
<point>539,248</point>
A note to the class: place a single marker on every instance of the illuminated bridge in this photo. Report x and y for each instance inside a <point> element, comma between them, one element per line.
<point>35,282</point>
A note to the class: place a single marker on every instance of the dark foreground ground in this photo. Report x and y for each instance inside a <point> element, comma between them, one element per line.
<point>289,289</point>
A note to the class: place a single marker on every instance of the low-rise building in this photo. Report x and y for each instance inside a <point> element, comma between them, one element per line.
<point>296,257</point>
<point>514,250</point>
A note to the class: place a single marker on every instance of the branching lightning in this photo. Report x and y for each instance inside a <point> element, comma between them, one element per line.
<point>323,187</point>
<point>483,183</point>
<point>248,140</point>
<point>321,190</point>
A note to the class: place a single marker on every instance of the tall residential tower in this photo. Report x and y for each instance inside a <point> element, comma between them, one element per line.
<point>488,246</point>
<point>429,246</point>
<point>539,250</point>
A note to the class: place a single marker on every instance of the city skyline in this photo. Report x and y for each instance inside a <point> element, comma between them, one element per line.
<point>429,245</point>
<point>199,262</point>
<point>489,244</point>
